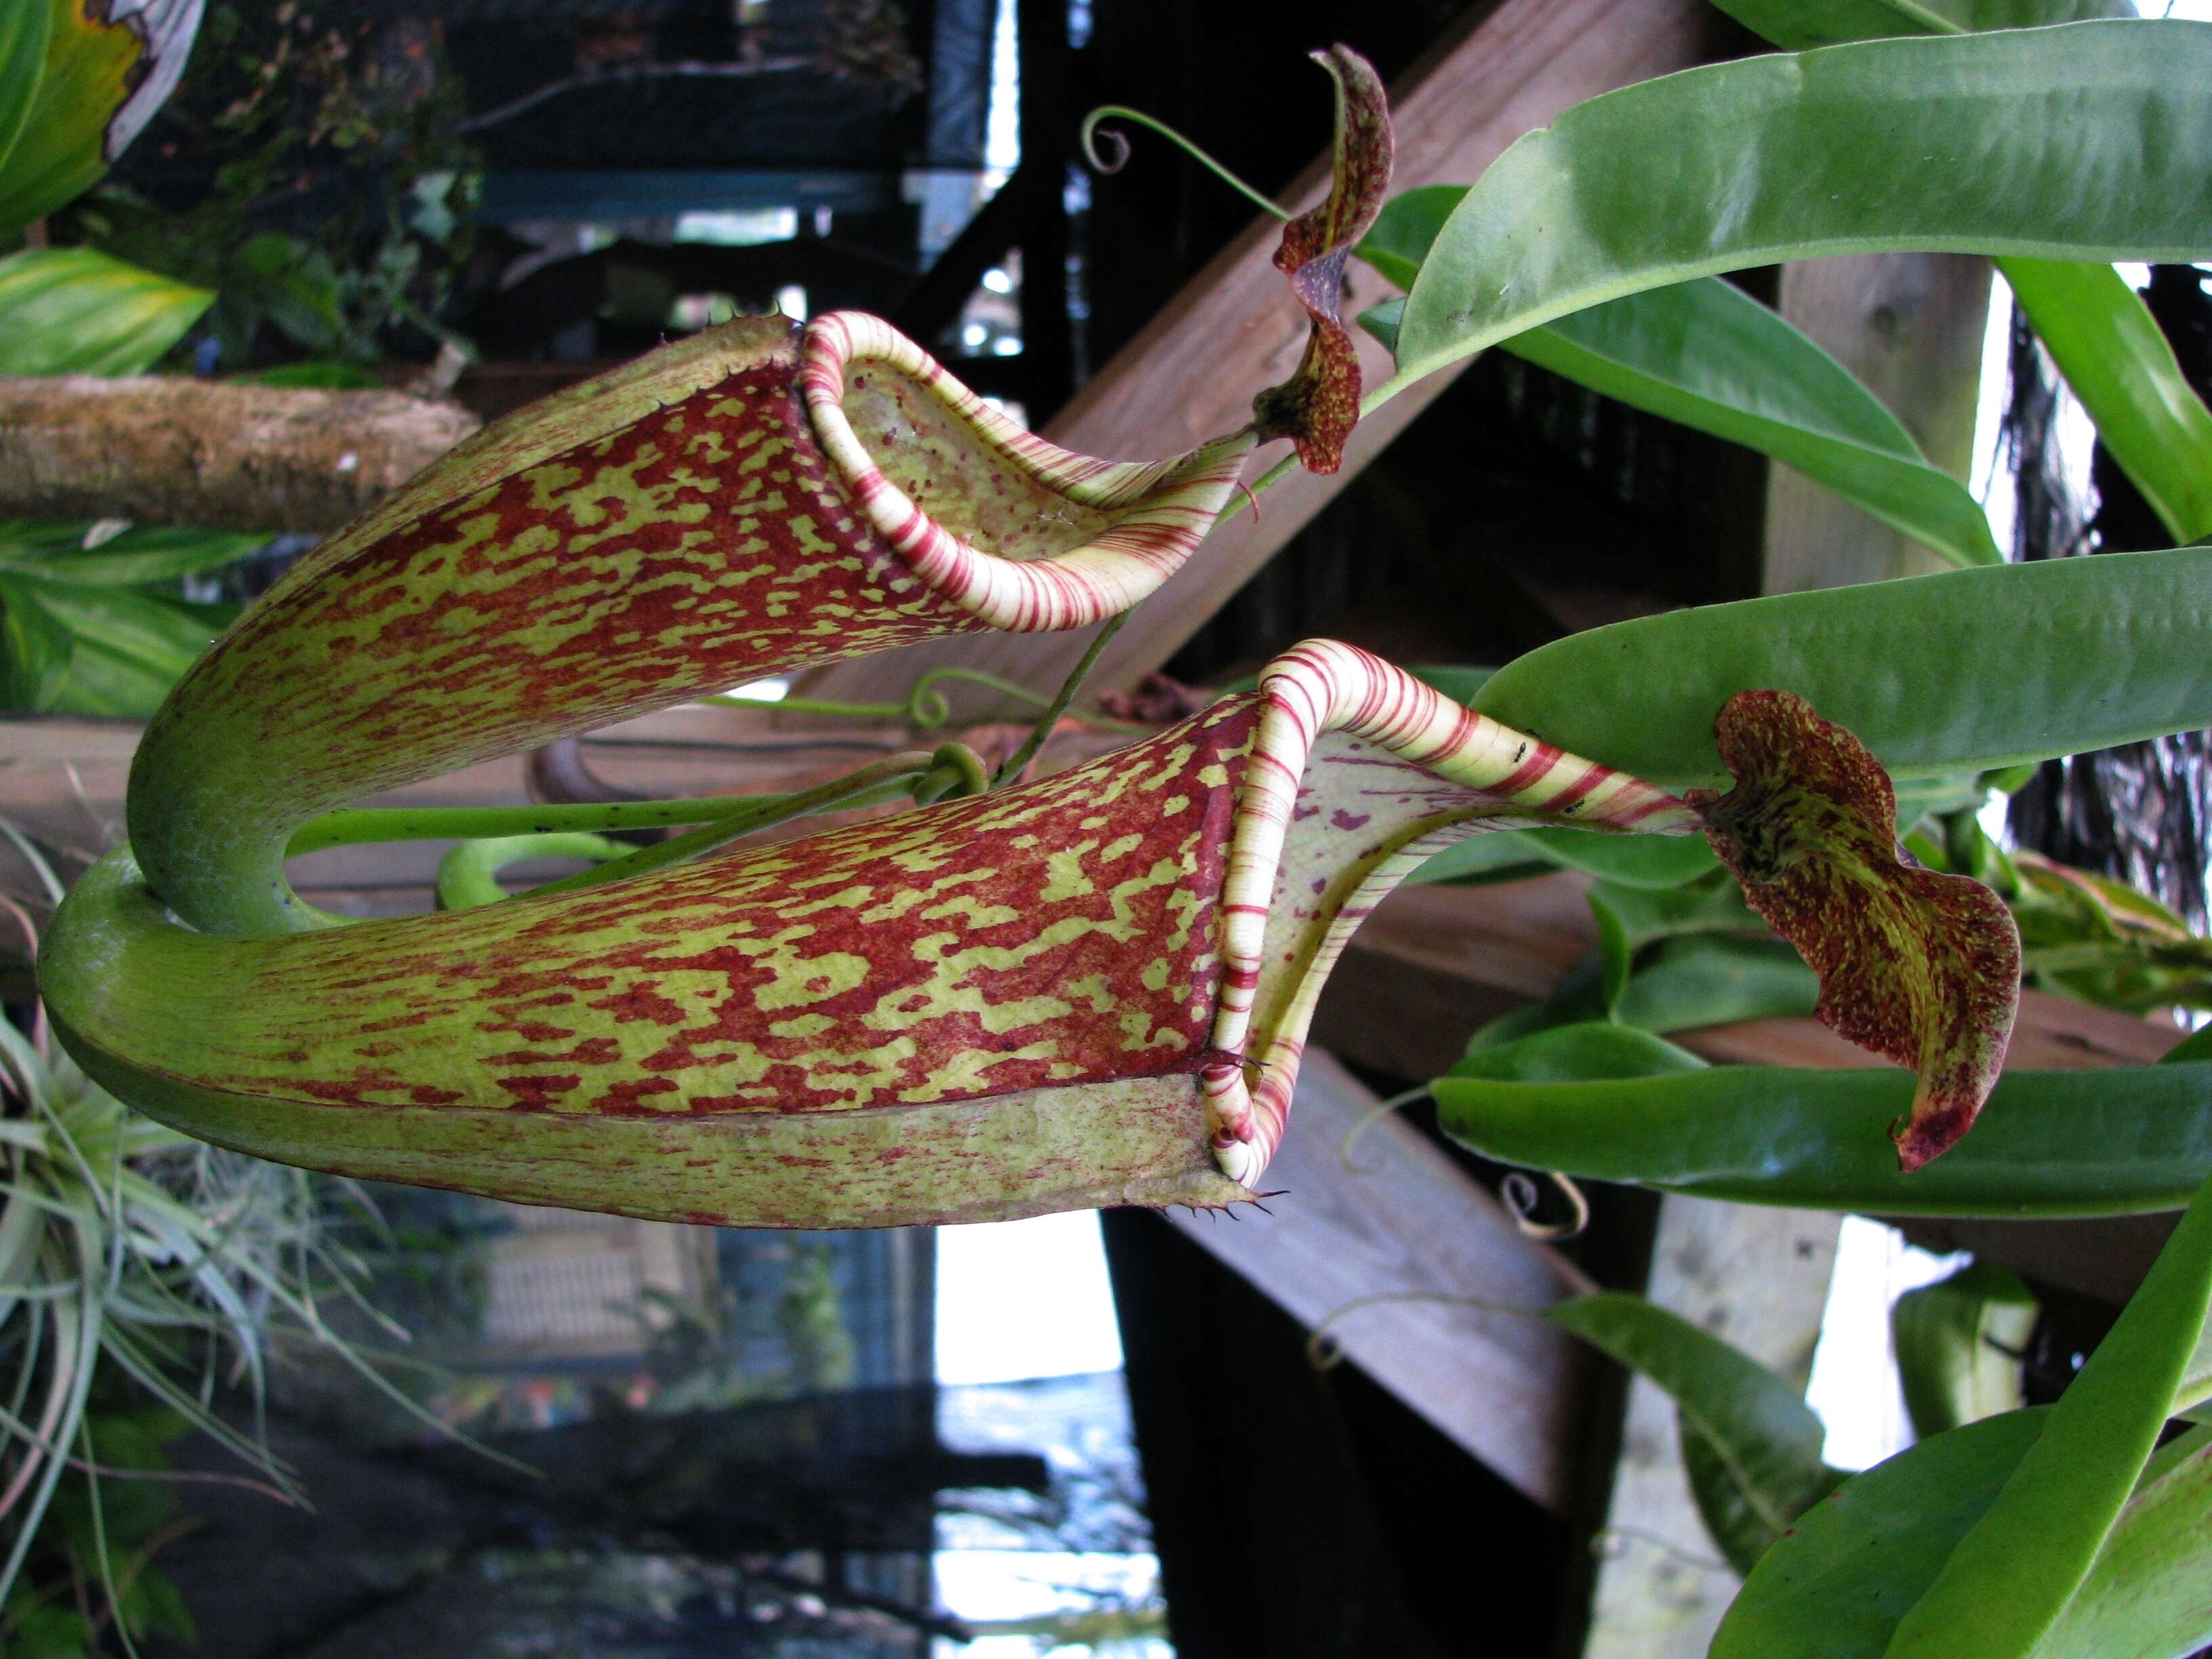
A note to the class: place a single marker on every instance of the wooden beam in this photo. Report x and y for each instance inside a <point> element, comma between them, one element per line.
<point>1404,1219</point>
<point>1233,329</point>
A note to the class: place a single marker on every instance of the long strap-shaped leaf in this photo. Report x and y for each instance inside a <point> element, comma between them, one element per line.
<point>1708,355</point>
<point>2098,331</point>
<point>2146,1593</point>
<point>1938,675</point>
<point>2010,1578</point>
<point>2048,1143</point>
<point>2092,142</point>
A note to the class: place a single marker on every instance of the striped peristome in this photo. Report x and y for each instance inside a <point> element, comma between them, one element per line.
<point>1141,519</point>
<point>1035,998</point>
<point>1358,773</point>
<point>708,515</point>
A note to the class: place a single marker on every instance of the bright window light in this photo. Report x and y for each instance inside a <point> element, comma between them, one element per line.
<point>1006,345</point>
<point>768,690</point>
<point>974,335</point>
<point>997,281</point>
<point>738,227</point>
<point>1018,1300</point>
<point>791,301</point>
<point>1854,1385</point>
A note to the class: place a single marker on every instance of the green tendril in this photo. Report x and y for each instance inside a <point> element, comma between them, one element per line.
<point>1090,136</point>
<point>924,707</point>
<point>469,875</point>
<point>1017,763</point>
<point>387,823</point>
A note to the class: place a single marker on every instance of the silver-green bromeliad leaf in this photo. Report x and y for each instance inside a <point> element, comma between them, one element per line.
<point>2089,141</point>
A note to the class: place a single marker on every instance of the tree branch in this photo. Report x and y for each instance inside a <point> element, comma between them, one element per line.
<point>225,455</point>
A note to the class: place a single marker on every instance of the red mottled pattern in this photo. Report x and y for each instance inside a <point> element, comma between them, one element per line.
<point>1920,967</point>
<point>677,555</point>
<point>1317,406</point>
<point>1059,934</point>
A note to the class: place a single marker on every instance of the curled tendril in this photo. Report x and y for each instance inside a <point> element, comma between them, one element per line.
<point>1092,134</point>
<point>954,770</point>
<point>1396,1103</point>
<point>1521,1197</point>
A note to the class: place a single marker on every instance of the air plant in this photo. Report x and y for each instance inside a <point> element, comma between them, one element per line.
<point>130,1250</point>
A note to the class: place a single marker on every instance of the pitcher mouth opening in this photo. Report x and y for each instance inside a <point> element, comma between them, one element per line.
<point>1358,772</point>
<point>1024,535</point>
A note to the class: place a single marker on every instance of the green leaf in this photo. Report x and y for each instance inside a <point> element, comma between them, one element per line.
<point>2090,142</point>
<point>74,311</point>
<point>2118,363</point>
<point>1793,24</point>
<point>141,554</point>
<point>1630,861</point>
<point>1958,1343</point>
<point>1960,671</point>
<point>2146,1593</point>
<point>25,29</point>
<point>292,282</point>
<point>1646,914</point>
<point>38,648</point>
<point>50,1631</point>
<point>2109,1141</point>
<point>1568,1053</point>
<point>1731,1521</point>
<point>1758,1442</point>
<point>1836,1586</point>
<point>2013,1574</point>
<point>101,82</point>
<point>130,646</point>
<point>1693,982</point>
<point>1706,354</point>
<point>319,376</point>
<point>2098,331</point>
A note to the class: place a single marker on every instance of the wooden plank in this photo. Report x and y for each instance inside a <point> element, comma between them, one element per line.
<point>1406,1219</point>
<point>1233,329</point>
